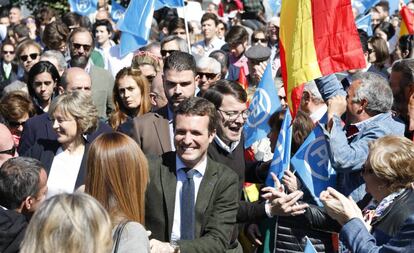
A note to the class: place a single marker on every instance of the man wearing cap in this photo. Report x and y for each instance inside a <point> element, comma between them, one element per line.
<point>257,57</point>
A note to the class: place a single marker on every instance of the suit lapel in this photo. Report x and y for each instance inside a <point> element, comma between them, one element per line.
<point>169,185</point>
<point>204,194</point>
<point>161,126</point>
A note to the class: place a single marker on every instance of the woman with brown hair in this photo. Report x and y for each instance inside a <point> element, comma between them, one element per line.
<point>378,56</point>
<point>117,176</point>
<point>130,95</point>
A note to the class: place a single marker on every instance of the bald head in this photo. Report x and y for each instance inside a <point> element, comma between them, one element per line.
<point>76,79</point>
<point>6,144</point>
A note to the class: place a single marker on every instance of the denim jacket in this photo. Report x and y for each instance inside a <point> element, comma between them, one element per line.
<point>348,155</point>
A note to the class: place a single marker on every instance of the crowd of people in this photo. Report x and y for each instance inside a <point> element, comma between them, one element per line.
<point>144,152</point>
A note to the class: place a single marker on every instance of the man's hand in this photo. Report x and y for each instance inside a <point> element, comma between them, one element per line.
<point>281,203</point>
<point>339,207</point>
<point>160,247</point>
<point>336,106</point>
<point>291,182</point>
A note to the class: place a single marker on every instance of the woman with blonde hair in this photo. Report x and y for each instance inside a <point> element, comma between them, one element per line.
<point>73,115</point>
<point>117,177</point>
<point>69,223</point>
<point>130,96</point>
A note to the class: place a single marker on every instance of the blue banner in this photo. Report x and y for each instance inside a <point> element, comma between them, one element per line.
<point>117,11</point>
<point>363,6</point>
<point>83,7</point>
<point>264,103</point>
<point>169,3</point>
<point>312,163</point>
<point>281,156</point>
<point>364,23</point>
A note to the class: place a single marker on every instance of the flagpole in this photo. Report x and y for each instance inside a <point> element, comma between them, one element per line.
<point>186,30</point>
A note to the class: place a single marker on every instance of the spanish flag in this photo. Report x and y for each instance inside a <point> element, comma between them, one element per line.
<point>317,38</point>
<point>407,23</point>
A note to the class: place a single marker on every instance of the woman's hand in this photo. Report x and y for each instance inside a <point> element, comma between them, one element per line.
<point>339,207</point>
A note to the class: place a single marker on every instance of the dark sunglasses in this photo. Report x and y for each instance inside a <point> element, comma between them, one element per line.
<point>11,151</point>
<point>165,52</point>
<point>255,40</point>
<point>8,52</point>
<point>15,123</point>
<point>32,56</point>
<point>85,47</point>
<point>370,50</point>
<point>209,76</point>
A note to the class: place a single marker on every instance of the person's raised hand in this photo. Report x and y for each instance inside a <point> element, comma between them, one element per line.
<point>290,181</point>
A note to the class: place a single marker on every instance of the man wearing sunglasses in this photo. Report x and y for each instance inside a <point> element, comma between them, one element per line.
<point>28,54</point>
<point>171,44</point>
<point>8,69</point>
<point>7,149</point>
<point>81,45</point>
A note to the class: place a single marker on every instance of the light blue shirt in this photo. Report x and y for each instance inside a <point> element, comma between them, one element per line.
<point>181,177</point>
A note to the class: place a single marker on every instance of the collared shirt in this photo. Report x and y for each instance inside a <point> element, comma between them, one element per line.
<point>170,116</point>
<point>215,44</point>
<point>7,67</point>
<point>224,146</point>
<point>181,177</point>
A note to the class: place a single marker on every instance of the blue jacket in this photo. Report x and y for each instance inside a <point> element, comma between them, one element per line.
<point>348,155</point>
<point>393,232</point>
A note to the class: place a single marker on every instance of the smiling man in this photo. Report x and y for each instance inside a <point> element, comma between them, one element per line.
<point>195,197</point>
<point>154,131</point>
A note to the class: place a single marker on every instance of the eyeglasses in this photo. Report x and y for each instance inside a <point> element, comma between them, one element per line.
<point>261,40</point>
<point>150,78</point>
<point>85,47</point>
<point>26,57</point>
<point>11,151</point>
<point>209,76</point>
<point>165,52</point>
<point>233,115</point>
<point>15,124</point>
<point>8,52</point>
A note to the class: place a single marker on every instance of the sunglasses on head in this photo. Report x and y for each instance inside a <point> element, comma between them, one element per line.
<point>84,46</point>
<point>11,151</point>
<point>261,40</point>
<point>8,52</point>
<point>165,52</point>
<point>209,76</point>
<point>26,57</point>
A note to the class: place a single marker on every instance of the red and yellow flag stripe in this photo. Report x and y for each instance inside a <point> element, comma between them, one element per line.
<point>317,38</point>
<point>407,22</point>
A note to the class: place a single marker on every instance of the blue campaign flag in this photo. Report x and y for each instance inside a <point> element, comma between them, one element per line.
<point>168,3</point>
<point>364,23</point>
<point>264,103</point>
<point>275,6</point>
<point>363,6</point>
<point>83,7</point>
<point>312,163</point>
<point>281,156</point>
<point>117,11</point>
<point>136,25</point>
<point>309,248</point>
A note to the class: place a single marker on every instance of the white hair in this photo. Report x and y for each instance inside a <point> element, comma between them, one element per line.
<point>209,63</point>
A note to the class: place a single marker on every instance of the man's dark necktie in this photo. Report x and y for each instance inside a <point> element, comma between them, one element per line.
<point>187,206</point>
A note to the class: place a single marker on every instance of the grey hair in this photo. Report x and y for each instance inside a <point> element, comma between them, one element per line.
<point>182,44</point>
<point>376,90</point>
<point>209,63</point>
<point>313,90</point>
<point>58,56</point>
<point>15,86</point>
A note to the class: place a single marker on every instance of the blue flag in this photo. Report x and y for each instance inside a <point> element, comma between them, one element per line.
<point>312,163</point>
<point>117,11</point>
<point>364,23</point>
<point>83,7</point>
<point>309,248</point>
<point>168,3</point>
<point>264,103</point>
<point>363,6</point>
<point>275,6</point>
<point>281,156</point>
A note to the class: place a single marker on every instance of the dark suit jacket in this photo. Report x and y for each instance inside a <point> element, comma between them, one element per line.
<point>12,77</point>
<point>45,151</point>
<point>40,128</point>
<point>216,205</point>
<point>151,131</point>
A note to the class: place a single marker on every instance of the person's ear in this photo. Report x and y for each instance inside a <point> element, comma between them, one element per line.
<point>28,203</point>
<point>61,90</point>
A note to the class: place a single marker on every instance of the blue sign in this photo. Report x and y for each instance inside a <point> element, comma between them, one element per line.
<point>364,23</point>
<point>83,7</point>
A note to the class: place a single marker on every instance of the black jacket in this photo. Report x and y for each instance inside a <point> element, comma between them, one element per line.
<point>12,228</point>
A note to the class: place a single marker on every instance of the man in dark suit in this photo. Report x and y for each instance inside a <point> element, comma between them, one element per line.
<point>8,69</point>
<point>40,127</point>
<point>154,131</point>
<point>191,201</point>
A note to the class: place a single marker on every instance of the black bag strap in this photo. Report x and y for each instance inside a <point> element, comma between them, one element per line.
<point>117,235</point>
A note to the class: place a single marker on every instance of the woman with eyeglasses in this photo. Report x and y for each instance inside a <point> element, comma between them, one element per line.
<point>130,96</point>
<point>42,83</point>
<point>16,108</point>
<point>28,52</point>
<point>259,38</point>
